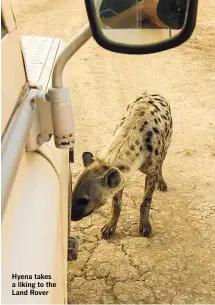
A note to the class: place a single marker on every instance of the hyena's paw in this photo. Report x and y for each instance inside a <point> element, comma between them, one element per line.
<point>108,231</point>
<point>162,186</point>
<point>146,230</point>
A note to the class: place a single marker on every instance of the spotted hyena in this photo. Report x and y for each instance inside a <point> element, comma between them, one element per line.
<point>140,142</point>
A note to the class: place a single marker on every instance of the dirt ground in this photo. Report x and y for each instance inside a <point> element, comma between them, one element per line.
<point>177,264</point>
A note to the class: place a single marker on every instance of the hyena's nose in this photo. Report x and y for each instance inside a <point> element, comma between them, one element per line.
<point>76,214</point>
<point>79,208</point>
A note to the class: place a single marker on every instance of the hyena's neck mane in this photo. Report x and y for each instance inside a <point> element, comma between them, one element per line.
<point>120,152</point>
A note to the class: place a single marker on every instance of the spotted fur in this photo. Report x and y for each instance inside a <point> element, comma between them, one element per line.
<point>140,142</point>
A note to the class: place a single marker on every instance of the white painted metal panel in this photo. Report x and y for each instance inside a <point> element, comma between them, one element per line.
<point>13,75</point>
<point>32,231</point>
<point>40,53</point>
<point>34,228</point>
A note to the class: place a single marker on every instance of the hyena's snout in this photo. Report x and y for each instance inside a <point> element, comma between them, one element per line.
<point>80,208</point>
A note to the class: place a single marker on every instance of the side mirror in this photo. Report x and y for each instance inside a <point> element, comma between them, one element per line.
<point>141,26</point>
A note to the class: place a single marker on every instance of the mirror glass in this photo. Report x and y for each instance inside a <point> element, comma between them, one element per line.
<point>140,22</point>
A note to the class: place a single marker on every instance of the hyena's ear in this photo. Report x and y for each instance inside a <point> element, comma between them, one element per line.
<point>87,158</point>
<point>112,177</point>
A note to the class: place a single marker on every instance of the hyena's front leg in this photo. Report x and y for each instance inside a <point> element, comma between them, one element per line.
<point>145,228</point>
<point>109,229</point>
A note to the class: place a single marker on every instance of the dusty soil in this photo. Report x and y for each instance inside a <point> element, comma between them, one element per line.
<point>177,264</point>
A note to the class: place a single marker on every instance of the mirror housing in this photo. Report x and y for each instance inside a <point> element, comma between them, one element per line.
<point>153,46</point>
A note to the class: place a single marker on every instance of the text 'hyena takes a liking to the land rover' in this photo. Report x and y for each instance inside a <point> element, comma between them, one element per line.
<point>140,142</point>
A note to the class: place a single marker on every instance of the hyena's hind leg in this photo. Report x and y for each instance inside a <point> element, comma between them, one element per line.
<point>109,229</point>
<point>161,184</point>
<point>145,228</point>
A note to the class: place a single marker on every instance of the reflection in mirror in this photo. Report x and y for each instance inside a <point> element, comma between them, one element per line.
<point>140,22</point>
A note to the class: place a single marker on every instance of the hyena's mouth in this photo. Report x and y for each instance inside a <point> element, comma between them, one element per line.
<point>79,214</point>
<point>88,213</point>
<point>92,211</point>
<point>76,217</point>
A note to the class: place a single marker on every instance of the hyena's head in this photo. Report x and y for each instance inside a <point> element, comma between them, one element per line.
<point>96,184</point>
